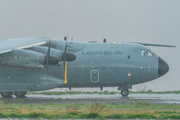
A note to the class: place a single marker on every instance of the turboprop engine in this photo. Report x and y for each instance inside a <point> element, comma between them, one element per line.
<point>55,53</point>
<point>27,59</point>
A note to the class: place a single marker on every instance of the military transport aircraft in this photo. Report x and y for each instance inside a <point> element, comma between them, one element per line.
<point>37,64</point>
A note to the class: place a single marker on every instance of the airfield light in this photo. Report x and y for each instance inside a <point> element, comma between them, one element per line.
<point>129,74</point>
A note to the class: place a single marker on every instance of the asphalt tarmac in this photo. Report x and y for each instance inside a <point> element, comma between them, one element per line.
<point>90,99</point>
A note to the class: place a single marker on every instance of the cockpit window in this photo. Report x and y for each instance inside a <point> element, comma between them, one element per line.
<point>143,52</point>
<point>149,53</point>
<point>146,52</point>
<point>152,52</point>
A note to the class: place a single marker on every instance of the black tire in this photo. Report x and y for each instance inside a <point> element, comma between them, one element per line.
<point>20,94</point>
<point>124,93</point>
<point>6,94</point>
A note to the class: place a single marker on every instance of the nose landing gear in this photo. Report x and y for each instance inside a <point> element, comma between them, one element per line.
<point>125,93</point>
<point>124,90</point>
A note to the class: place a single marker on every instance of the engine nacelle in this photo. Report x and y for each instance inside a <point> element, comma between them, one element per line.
<point>43,50</point>
<point>27,59</point>
<point>55,53</point>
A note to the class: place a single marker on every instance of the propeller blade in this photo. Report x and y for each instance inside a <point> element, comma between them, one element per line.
<point>65,64</point>
<point>65,73</point>
<point>48,54</point>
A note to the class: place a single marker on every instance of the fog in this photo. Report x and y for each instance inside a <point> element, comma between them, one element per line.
<point>147,21</point>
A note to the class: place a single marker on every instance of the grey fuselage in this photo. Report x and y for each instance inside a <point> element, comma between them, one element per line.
<point>96,65</point>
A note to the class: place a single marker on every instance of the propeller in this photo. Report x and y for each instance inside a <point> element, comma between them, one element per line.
<point>51,60</point>
<point>67,57</point>
<point>47,60</point>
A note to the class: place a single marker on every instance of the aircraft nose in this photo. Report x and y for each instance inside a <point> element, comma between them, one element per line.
<point>163,67</point>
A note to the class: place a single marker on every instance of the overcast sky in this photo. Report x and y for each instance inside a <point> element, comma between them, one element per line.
<point>148,21</point>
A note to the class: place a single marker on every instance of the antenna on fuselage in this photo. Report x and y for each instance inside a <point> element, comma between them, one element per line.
<point>72,38</point>
<point>65,38</point>
<point>104,40</point>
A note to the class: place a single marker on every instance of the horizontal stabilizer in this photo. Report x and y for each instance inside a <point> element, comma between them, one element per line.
<point>157,45</point>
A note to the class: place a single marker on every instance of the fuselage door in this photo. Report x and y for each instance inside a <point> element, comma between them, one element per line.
<point>94,76</point>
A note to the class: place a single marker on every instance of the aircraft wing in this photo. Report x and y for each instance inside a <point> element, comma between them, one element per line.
<point>20,43</point>
<point>157,45</point>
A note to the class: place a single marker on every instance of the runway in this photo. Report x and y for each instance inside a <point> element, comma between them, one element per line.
<point>89,99</point>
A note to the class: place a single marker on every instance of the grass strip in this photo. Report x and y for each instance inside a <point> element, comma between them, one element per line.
<point>137,109</point>
<point>89,116</point>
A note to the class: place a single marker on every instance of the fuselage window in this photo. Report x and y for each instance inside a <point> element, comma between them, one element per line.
<point>143,52</point>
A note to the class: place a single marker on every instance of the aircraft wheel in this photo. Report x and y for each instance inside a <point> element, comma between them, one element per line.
<point>124,93</point>
<point>20,94</point>
<point>6,94</point>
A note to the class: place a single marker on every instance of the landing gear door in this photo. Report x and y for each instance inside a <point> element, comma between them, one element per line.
<point>94,76</point>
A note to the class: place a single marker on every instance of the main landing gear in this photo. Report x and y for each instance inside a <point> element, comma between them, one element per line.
<point>6,94</point>
<point>20,94</point>
<point>17,94</point>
